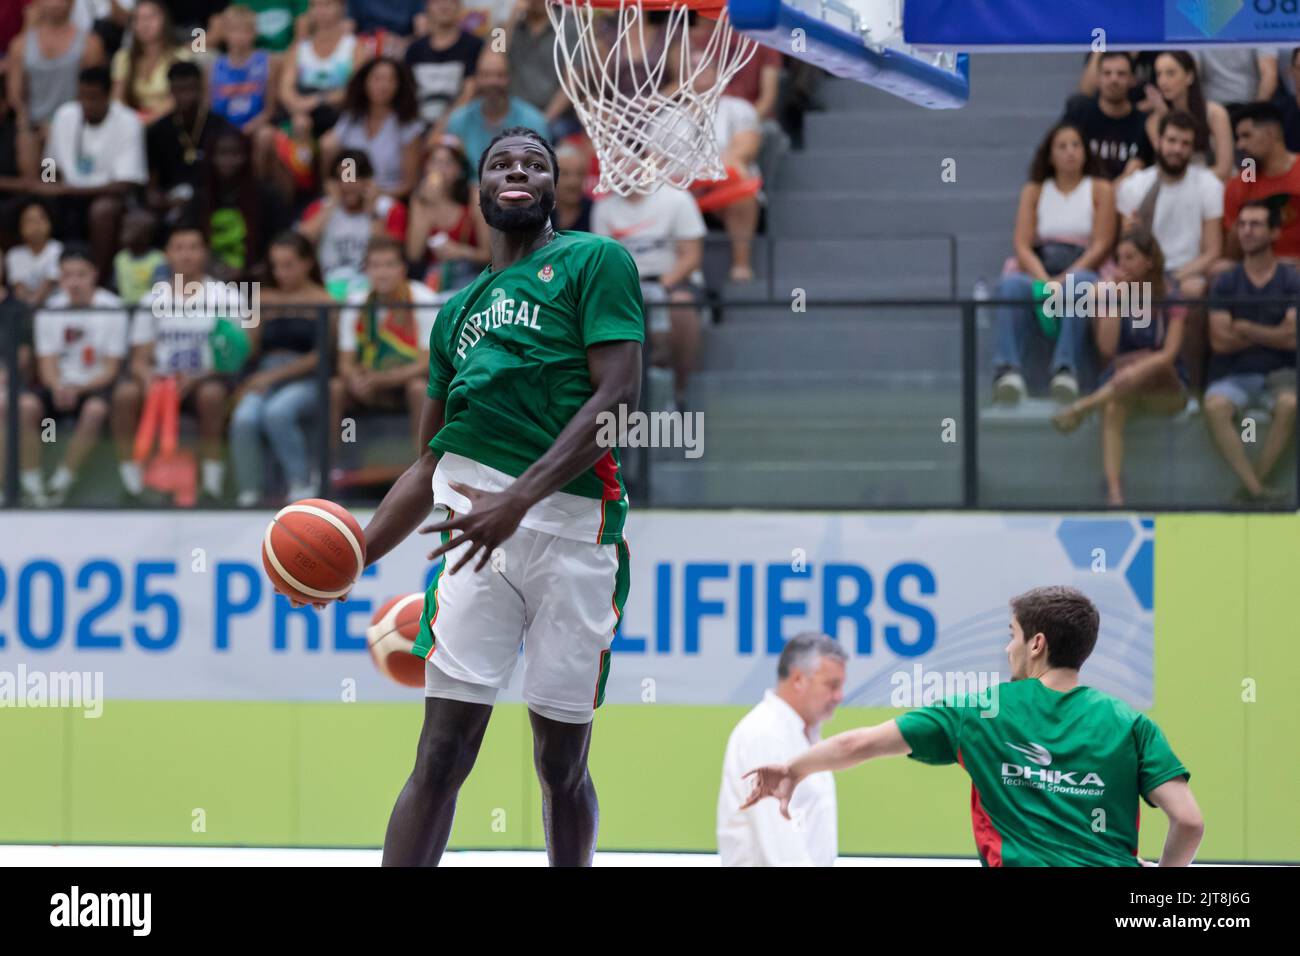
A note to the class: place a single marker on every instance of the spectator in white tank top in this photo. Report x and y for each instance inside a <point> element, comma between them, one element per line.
<point>1065,228</point>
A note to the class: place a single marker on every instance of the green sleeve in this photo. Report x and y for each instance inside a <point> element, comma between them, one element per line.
<point>440,370</point>
<point>933,733</point>
<point>610,307</point>
<point>1156,761</point>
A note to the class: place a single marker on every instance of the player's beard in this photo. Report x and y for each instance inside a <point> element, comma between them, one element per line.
<point>530,218</point>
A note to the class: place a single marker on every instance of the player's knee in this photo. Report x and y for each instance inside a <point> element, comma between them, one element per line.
<point>443,761</point>
<point>560,769</point>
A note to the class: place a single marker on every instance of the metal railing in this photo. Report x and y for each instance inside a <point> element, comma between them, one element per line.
<point>960,370</point>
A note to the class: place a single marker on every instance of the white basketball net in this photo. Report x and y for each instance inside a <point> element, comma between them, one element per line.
<point>649,116</point>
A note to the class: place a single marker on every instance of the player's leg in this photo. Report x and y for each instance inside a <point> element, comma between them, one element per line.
<point>421,820</point>
<point>575,591</point>
<point>570,812</point>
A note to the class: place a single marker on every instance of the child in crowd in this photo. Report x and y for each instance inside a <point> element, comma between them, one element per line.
<point>240,80</point>
<point>33,266</point>
<point>136,267</point>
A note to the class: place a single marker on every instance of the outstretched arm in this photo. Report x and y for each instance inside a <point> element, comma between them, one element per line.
<point>1186,826</point>
<point>836,753</point>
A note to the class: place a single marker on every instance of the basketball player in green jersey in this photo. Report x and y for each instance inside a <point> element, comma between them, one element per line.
<point>522,362</point>
<point>1056,767</point>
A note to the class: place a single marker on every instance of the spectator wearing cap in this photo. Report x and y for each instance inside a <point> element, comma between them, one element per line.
<point>1274,178</point>
<point>1254,351</point>
<point>492,109</point>
<point>809,686</point>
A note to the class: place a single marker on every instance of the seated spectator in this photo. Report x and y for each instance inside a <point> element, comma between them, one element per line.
<point>1114,128</point>
<point>314,76</point>
<point>178,143</point>
<point>351,214</point>
<point>758,82</point>
<point>138,264</point>
<point>1254,346</point>
<point>383,360</point>
<point>380,117</point>
<point>238,213</point>
<point>1275,179</point>
<point>174,338</point>
<point>16,320</point>
<point>1183,205</point>
<point>42,67</point>
<point>79,352</point>
<point>33,266</point>
<point>443,62</point>
<point>1144,75</point>
<point>272,403</point>
<point>1236,76</point>
<point>664,233</point>
<point>531,43</point>
<point>240,79</point>
<point>1065,225</point>
<point>573,206</point>
<point>447,237</point>
<point>492,109</point>
<point>1180,203</point>
<point>96,146</point>
<point>1140,352</point>
<point>1178,90</point>
<point>739,137</point>
<point>141,70</point>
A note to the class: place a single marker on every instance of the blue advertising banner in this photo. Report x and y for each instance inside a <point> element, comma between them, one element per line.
<point>168,606</point>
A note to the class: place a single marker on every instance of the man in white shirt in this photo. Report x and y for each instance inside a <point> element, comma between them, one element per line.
<point>172,336</point>
<point>664,232</point>
<point>1187,213</point>
<point>96,147</point>
<point>79,351</point>
<point>810,685</point>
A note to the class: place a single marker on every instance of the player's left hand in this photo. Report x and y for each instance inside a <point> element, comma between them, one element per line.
<point>493,518</point>
<point>774,780</point>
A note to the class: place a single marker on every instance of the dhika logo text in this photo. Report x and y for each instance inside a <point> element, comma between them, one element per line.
<point>1036,772</point>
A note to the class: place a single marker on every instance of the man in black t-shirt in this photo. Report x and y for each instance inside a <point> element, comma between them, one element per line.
<point>1254,347</point>
<point>1113,127</point>
<point>177,143</point>
<point>443,62</point>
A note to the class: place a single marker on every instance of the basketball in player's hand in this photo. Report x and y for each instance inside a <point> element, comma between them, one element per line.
<point>313,551</point>
<point>391,635</point>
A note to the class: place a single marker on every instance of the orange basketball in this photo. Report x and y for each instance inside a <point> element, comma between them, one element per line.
<point>313,551</point>
<point>391,635</point>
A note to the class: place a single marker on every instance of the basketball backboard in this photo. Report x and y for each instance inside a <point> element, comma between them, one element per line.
<point>859,40</point>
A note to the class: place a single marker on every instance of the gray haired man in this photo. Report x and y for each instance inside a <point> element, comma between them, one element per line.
<point>809,686</point>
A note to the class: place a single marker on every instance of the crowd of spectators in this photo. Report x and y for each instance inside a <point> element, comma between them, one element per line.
<point>323,152</point>
<point>1171,177</point>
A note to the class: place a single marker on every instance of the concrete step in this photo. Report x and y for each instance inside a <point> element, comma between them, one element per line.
<point>900,167</point>
<point>1046,91</point>
<point>802,346</point>
<point>816,215</point>
<point>1006,126</point>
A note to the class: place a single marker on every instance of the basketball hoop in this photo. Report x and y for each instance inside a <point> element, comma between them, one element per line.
<point>648,112</point>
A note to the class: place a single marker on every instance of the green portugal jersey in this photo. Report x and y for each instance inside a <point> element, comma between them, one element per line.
<point>508,355</point>
<point>1055,777</point>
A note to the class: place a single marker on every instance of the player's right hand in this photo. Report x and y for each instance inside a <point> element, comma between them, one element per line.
<point>773,780</point>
